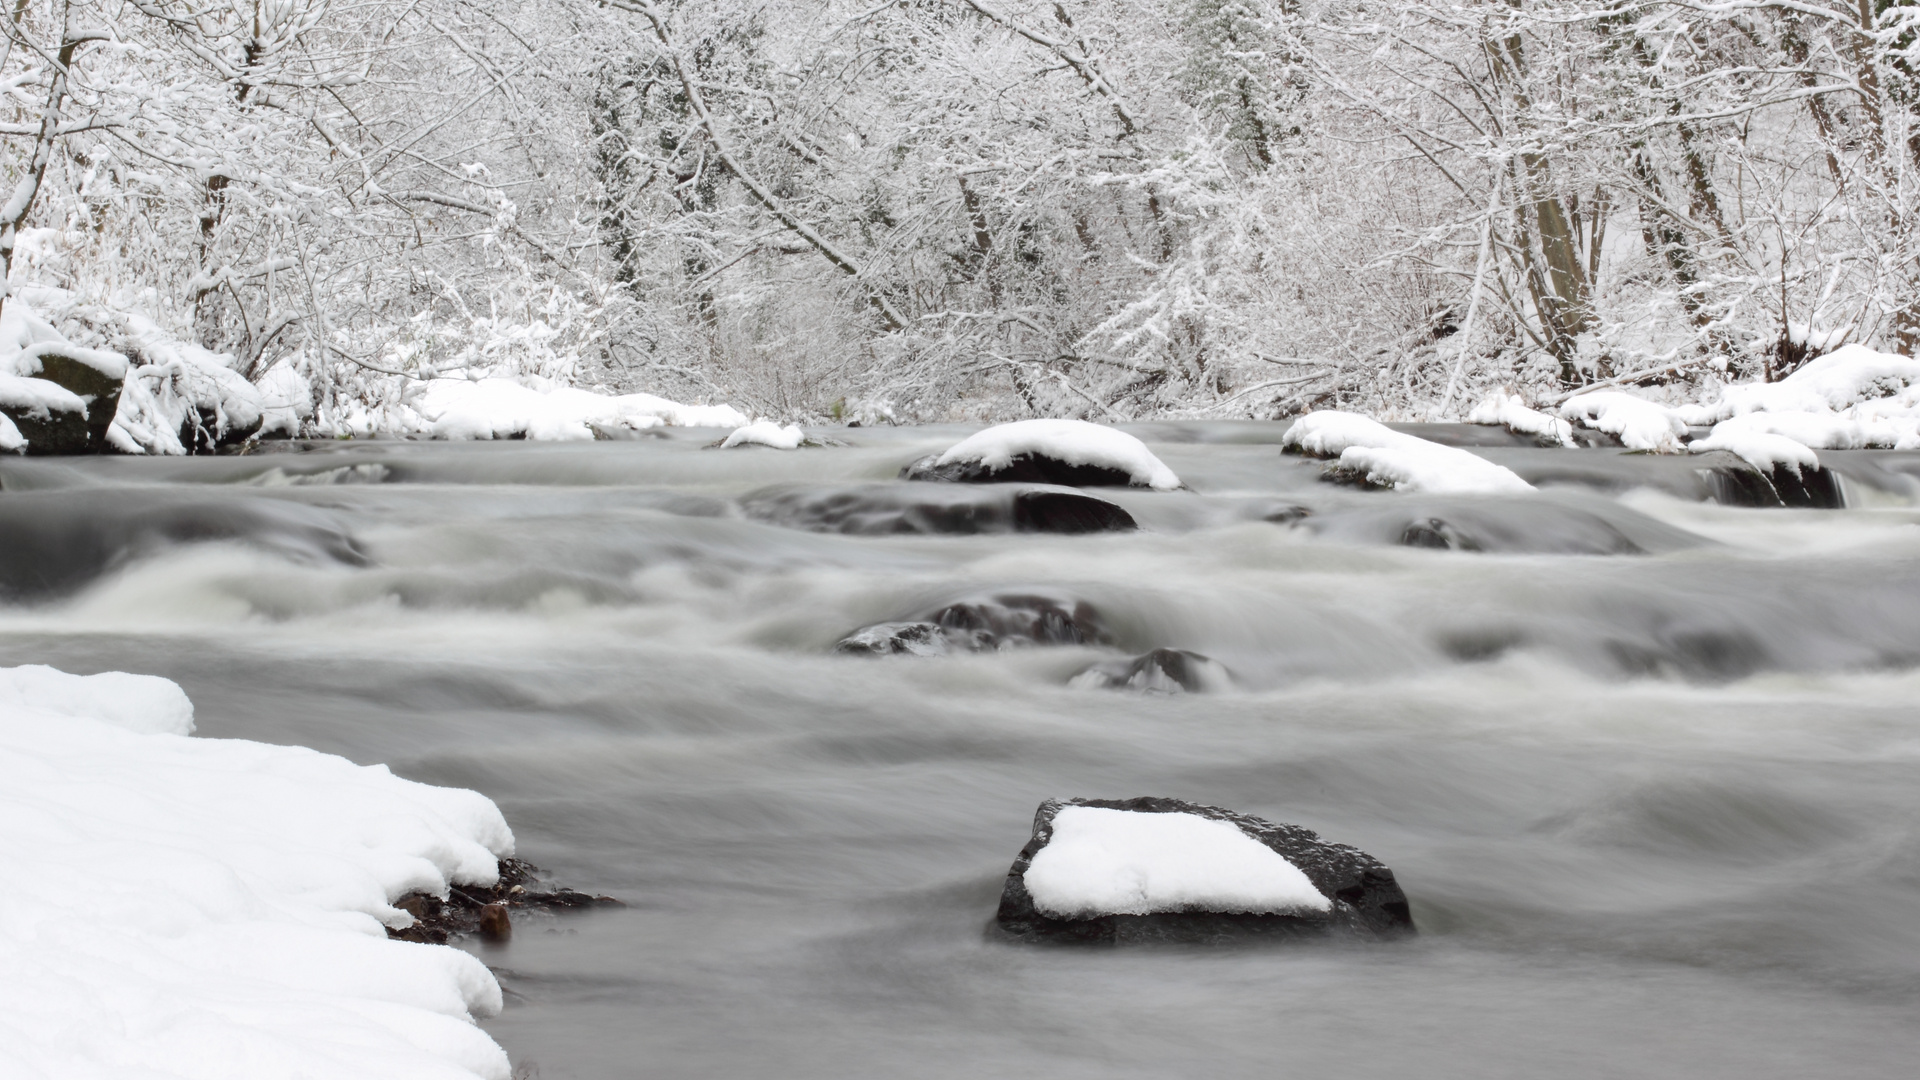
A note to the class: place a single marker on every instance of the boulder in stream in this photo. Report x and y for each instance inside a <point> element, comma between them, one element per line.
<point>919,509</point>
<point>1127,871</point>
<point>1072,453</point>
<point>986,624</point>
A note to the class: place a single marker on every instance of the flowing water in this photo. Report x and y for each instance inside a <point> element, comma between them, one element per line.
<point>1645,765</point>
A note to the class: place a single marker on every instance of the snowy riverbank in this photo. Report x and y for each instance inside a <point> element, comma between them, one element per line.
<point>216,908</point>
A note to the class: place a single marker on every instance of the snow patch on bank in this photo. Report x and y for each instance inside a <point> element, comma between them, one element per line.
<point>1075,442</point>
<point>214,908</point>
<point>533,408</point>
<point>1124,862</point>
<point>1393,459</point>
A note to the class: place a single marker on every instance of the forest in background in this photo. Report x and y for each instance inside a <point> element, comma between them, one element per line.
<point>919,210</point>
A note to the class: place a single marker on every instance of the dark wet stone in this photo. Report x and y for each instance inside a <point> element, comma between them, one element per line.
<point>1366,899</point>
<point>1024,469</point>
<point>1507,525</point>
<point>1000,622</point>
<point>1740,484</point>
<point>58,541</point>
<point>901,509</point>
<point>487,911</point>
<point>1162,671</point>
<point>201,432</point>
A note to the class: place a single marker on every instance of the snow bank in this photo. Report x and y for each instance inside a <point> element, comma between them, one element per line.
<point>1640,424</point>
<point>1075,442</point>
<point>766,433</point>
<point>499,408</point>
<point>1124,862</point>
<point>1848,376</point>
<point>180,387</point>
<point>1509,411</point>
<point>1400,461</point>
<point>213,908</point>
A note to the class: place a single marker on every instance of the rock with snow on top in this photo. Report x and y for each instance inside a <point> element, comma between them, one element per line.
<point>767,433</point>
<point>1372,454</point>
<point>935,510</point>
<point>1509,411</point>
<point>1100,871</point>
<point>1640,424</point>
<point>1073,453</point>
<point>1848,376</point>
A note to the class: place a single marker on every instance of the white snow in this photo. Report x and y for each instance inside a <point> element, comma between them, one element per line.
<point>500,408</point>
<point>1397,460</point>
<point>1640,424</point>
<point>1848,376</point>
<point>1122,862</point>
<point>1511,412</point>
<point>766,433</point>
<point>213,908</point>
<point>1075,442</point>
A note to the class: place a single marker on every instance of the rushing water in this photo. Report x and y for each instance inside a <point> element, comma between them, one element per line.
<point>1656,811</point>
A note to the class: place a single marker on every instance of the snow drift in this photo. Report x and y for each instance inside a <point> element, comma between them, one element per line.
<point>215,909</point>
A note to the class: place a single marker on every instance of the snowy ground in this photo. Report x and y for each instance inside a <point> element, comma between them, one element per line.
<point>216,908</point>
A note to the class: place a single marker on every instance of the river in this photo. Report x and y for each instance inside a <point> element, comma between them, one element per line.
<point>1645,765</point>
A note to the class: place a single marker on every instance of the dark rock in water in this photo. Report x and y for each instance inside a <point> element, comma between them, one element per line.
<point>202,432</point>
<point>1365,900</point>
<point>1544,525</point>
<point>471,909</point>
<point>56,431</point>
<point>1023,469</point>
<point>896,509</point>
<point>1784,485</point>
<point>998,622</point>
<point>1162,671</point>
<point>53,542</point>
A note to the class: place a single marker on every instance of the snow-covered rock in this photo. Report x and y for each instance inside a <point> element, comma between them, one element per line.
<point>1105,871</point>
<point>766,433</point>
<point>180,397</point>
<point>215,908</point>
<point>1074,453</point>
<point>55,396</point>
<point>530,408</point>
<point>1509,411</point>
<point>1640,424</point>
<point>1387,458</point>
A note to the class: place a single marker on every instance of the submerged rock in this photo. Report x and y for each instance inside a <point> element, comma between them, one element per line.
<point>984,625</point>
<point>1162,671</point>
<point>488,911</point>
<point>58,541</point>
<point>1104,871</point>
<point>898,509</point>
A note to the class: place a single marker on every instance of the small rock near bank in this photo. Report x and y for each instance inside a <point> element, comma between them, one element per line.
<point>1127,871</point>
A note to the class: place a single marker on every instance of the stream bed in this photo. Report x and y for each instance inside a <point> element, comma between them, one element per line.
<point>1647,766</point>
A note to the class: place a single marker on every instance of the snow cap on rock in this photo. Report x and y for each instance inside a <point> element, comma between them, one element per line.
<point>1123,862</point>
<point>1075,442</point>
<point>1397,460</point>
